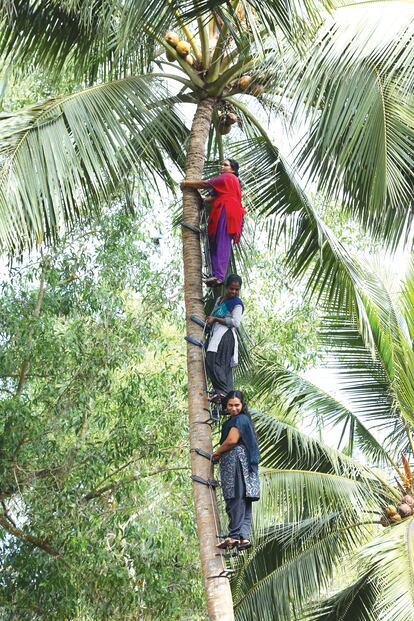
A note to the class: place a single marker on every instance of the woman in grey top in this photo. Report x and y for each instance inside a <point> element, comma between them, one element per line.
<point>222,349</point>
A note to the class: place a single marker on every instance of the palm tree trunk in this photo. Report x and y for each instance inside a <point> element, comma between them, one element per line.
<point>218,594</point>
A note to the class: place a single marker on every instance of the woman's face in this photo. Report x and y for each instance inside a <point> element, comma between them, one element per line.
<point>226,167</point>
<point>234,406</point>
<point>233,290</point>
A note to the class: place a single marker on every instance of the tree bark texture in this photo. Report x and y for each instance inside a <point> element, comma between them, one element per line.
<point>218,593</point>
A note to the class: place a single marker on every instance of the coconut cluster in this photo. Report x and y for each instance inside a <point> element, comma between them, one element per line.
<point>227,117</point>
<point>396,514</point>
<point>181,47</point>
<point>248,84</point>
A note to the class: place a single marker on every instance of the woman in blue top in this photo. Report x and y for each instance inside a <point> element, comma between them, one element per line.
<point>238,455</point>
<point>222,348</point>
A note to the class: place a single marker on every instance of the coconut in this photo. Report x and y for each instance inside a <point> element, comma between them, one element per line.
<point>404,509</point>
<point>172,38</point>
<point>224,129</point>
<point>244,82</point>
<point>408,499</point>
<point>231,118</point>
<point>189,59</point>
<point>183,48</point>
<point>170,57</point>
<point>395,518</point>
<point>256,90</point>
<point>391,510</point>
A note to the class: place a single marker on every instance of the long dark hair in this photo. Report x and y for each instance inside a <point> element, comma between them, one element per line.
<point>233,278</point>
<point>236,394</point>
<point>234,166</point>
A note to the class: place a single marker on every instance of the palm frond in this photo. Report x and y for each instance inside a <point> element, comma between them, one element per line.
<point>407,300</point>
<point>61,158</point>
<point>292,20</point>
<point>403,354</point>
<point>294,495</point>
<point>385,586</point>
<point>380,390</point>
<point>284,570</point>
<point>116,38</point>
<point>355,603</point>
<point>369,400</point>
<point>284,447</point>
<point>355,89</point>
<point>55,34</point>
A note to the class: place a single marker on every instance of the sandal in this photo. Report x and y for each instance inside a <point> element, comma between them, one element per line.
<point>210,281</point>
<point>227,543</point>
<point>244,544</point>
<point>216,397</point>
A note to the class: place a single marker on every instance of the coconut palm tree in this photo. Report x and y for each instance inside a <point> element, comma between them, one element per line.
<point>63,158</point>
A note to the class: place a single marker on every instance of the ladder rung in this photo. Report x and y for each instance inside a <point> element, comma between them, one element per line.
<point>198,321</point>
<point>194,341</point>
<point>190,227</point>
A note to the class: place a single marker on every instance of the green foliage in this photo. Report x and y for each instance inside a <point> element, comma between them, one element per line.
<point>94,450</point>
<point>284,323</point>
<point>320,508</point>
<point>92,388</point>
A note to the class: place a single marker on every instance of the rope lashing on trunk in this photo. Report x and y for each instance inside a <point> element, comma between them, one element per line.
<point>202,453</point>
<point>209,482</point>
<point>226,573</point>
<point>194,341</point>
<point>190,227</point>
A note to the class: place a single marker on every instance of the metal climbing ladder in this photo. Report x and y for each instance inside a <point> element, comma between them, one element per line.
<point>214,410</point>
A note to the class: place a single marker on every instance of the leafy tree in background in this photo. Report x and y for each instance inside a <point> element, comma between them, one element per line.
<point>352,85</point>
<point>94,472</point>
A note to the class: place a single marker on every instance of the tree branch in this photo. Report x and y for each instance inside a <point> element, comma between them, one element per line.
<point>95,493</point>
<point>36,541</point>
<point>25,366</point>
<point>6,514</point>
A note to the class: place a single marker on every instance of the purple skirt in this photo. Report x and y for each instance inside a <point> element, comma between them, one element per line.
<point>220,248</point>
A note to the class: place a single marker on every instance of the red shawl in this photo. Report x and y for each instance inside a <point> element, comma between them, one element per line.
<point>227,187</point>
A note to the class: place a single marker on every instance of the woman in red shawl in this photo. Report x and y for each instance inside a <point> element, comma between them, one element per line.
<point>226,216</point>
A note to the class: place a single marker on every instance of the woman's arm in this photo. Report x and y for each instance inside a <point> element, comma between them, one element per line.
<point>236,315</point>
<point>196,184</point>
<point>230,322</point>
<point>230,442</point>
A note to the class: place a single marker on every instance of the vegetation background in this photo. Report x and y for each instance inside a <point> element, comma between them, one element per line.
<point>97,517</point>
